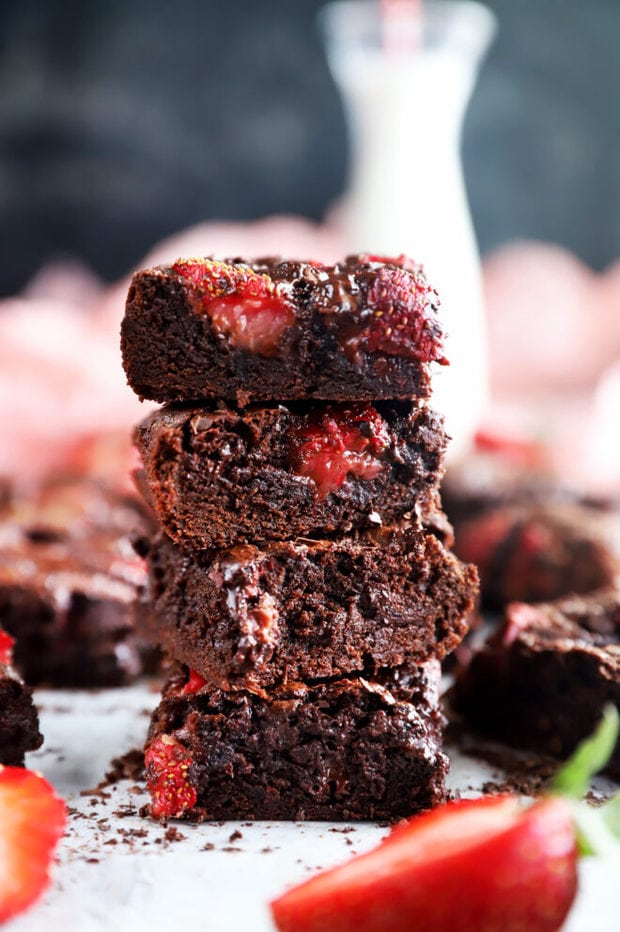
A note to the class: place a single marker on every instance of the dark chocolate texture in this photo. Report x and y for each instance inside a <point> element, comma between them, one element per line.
<point>543,679</point>
<point>217,476</point>
<point>19,722</point>
<point>346,749</point>
<point>251,617</point>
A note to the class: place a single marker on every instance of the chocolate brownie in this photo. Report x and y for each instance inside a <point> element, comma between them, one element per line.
<point>363,329</point>
<point>541,552</point>
<point>542,680</point>
<point>217,476</point>
<point>343,749</point>
<point>19,722</point>
<point>69,580</point>
<point>250,617</point>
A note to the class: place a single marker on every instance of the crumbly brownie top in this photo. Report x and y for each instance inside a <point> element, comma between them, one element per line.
<point>72,534</point>
<point>574,623</point>
<point>369,304</point>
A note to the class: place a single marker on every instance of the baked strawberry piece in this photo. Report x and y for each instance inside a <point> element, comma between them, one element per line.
<point>251,617</point>
<point>69,580</point>
<point>217,476</point>
<point>19,722</point>
<point>543,678</point>
<point>345,749</point>
<point>363,329</point>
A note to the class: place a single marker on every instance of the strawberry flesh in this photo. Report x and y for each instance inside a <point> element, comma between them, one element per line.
<point>32,820</point>
<point>195,682</point>
<point>167,765</point>
<point>401,317</point>
<point>6,647</point>
<point>245,307</point>
<point>483,865</point>
<point>343,440</point>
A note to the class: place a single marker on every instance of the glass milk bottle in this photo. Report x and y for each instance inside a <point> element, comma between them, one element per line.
<point>406,72</point>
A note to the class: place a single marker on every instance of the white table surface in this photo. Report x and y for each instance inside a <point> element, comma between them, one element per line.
<point>142,882</point>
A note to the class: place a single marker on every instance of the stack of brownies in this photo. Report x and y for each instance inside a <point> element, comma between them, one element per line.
<point>301,579</point>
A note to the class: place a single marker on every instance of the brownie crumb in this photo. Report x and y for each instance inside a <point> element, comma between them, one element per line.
<point>235,836</point>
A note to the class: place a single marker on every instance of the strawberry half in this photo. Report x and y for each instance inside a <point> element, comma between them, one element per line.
<point>32,820</point>
<point>482,865</point>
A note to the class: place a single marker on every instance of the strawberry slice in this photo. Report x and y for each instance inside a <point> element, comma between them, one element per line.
<point>32,820</point>
<point>482,865</point>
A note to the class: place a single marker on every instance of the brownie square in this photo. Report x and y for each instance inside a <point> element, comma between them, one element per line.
<point>363,329</point>
<point>537,553</point>
<point>541,681</point>
<point>19,722</point>
<point>217,476</point>
<point>69,580</point>
<point>344,749</point>
<point>251,617</point>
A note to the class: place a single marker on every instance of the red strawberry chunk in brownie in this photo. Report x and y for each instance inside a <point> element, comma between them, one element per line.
<point>400,324</point>
<point>6,647</point>
<point>167,763</point>
<point>338,442</point>
<point>245,307</point>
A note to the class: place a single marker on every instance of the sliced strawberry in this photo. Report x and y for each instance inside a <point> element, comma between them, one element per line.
<point>339,441</point>
<point>32,820</point>
<point>6,647</point>
<point>167,765</point>
<point>484,865</point>
<point>245,307</point>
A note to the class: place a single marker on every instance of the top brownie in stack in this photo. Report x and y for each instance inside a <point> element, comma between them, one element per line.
<point>362,329</point>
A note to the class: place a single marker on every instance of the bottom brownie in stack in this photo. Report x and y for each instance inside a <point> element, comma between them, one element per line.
<point>349,748</point>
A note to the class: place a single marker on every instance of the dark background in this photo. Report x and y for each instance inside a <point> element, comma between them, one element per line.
<point>122,122</point>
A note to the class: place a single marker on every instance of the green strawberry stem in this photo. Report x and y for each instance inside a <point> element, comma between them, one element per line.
<point>598,828</point>
<point>573,779</point>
